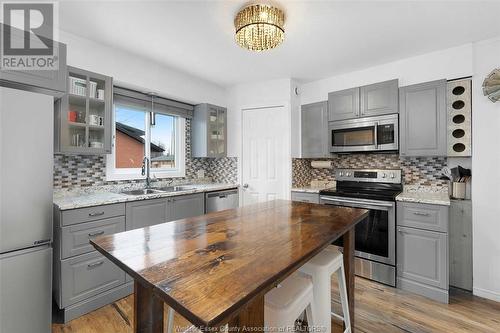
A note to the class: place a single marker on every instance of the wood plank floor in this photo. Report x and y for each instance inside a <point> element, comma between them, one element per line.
<point>379,309</point>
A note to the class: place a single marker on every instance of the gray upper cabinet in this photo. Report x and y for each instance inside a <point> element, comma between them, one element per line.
<point>379,99</point>
<point>52,82</point>
<point>314,130</point>
<point>209,131</point>
<point>343,104</point>
<point>370,100</point>
<point>83,114</point>
<point>423,119</point>
<point>185,206</point>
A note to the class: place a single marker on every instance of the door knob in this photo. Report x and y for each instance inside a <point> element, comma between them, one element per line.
<point>245,185</point>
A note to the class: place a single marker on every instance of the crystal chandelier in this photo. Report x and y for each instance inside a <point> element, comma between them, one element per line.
<point>259,27</point>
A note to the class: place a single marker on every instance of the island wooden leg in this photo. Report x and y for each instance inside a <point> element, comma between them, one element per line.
<point>349,271</point>
<point>250,319</point>
<point>148,310</point>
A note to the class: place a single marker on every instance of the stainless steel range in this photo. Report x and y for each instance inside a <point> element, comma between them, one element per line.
<point>375,242</point>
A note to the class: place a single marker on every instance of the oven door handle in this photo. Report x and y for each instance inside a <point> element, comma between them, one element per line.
<point>367,204</point>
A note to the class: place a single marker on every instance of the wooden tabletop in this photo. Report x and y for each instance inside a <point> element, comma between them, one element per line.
<point>208,267</point>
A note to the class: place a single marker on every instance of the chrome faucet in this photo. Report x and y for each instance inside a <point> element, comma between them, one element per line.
<point>146,171</point>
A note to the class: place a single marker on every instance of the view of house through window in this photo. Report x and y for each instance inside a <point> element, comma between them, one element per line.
<point>131,140</point>
<point>163,141</point>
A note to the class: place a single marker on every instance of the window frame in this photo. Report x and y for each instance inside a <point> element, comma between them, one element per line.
<point>114,174</point>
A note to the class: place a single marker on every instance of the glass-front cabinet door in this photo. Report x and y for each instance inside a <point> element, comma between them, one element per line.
<point>83,115</point>
<point>222,132</point>
<point>212,131</point>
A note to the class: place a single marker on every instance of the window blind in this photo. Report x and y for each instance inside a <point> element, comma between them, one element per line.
<point>142,101</point>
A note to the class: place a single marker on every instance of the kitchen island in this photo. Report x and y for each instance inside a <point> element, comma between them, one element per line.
<point>216,268</point>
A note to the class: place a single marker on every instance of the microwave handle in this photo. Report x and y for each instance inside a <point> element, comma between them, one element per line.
<point>376,135</point>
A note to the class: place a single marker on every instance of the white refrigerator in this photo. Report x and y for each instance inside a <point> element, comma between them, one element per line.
<point>26,176</point>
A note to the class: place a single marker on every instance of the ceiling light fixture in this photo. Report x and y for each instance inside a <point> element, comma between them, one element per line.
<point>259,27</point>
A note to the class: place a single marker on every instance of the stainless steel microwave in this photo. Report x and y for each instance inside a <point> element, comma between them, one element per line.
<point>370,134</point>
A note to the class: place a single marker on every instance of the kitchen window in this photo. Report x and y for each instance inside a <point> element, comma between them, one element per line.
<point>147,126</point>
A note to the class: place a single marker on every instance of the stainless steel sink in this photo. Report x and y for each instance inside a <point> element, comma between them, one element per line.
<point>176,188</point>
<point>142,192</point>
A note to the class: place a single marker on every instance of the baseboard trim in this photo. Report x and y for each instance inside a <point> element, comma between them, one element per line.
<point>437,294</point>
<point>81,308</point>
<point>491,295</point>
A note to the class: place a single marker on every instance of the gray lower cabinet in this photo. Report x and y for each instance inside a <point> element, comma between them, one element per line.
<point>305,197</point>
<point>185,206</point>
<point>87,275</point>
<point>343,104</point>
<point>422,110</point>
<point>314,130</point>
<point>145,213</point>
<point>422,252</point>
<point>84,280</point>
<point>52,82</point>
<point>461,244</point>
<point>75,238</point>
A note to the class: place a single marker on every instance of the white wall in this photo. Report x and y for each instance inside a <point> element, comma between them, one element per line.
<point>450,64</point>
<point>139,73</point>
<point>266,93</point>
<point>485,163</point>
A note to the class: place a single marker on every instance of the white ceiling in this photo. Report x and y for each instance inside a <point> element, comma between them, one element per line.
<point>323,38</point>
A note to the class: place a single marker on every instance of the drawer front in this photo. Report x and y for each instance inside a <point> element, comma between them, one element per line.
<point>88,275</point>
<point>305,197</point>
<point>80,215</point>
<point>423,216</point>
<point>75,238</point>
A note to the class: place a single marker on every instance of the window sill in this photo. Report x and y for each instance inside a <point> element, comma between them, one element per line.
<point>157,175</point>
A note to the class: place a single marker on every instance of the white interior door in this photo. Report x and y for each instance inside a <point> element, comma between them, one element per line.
<point>265,154</point>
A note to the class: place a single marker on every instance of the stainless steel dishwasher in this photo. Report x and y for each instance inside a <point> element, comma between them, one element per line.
<point>221,200</point>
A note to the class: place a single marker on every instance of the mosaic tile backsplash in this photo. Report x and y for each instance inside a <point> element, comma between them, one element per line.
<point>424,171</point>
<point>73,171</point>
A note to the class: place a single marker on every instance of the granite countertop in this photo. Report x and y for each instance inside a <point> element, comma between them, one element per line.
<point>307,189</point>
<point>89,197</point>
<point>315,186</point>
<point>426,195</point>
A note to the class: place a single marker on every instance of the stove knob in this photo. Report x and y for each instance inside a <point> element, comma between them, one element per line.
<point>384,175</point>
<point>392,175</point>
<point>348,174</point>
<point>341,174</point>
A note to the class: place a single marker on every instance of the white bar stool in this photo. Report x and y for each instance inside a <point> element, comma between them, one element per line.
<point>285,303</point>
<point>320,269</point>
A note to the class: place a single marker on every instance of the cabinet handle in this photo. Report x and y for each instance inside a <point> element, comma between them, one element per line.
<point>96,264</point>
<point>400,230</point>
<point>96,214</point>
<point>421,214</point>
<point>97,233</point>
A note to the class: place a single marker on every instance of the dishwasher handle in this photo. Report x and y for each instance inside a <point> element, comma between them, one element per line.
<point>221,194</point>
